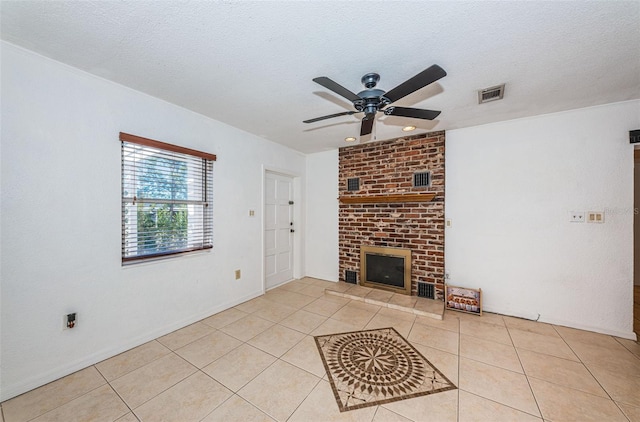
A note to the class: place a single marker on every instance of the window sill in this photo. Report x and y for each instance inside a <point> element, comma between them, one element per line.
<point>164,258</point>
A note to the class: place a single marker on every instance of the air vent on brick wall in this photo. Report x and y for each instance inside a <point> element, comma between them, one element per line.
<point>491,94</point>
<point>353,184</point>
<point>421,179</point>
<point>427,290</point>
<point>351,277</point>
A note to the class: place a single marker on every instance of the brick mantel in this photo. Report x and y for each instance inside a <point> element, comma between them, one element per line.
<point>387,210</point>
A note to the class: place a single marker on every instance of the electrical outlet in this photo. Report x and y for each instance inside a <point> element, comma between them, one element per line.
<point>576,216</point>
<point>252,213</point>
<point>238,274</point>
<point>70,321</point>
<point>447,222</point>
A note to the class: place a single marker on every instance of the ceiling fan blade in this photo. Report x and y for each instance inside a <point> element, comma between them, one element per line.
<point>337,88</point>
<point>367,124</point>
<point>421,80</point>
<point>317,119</point>
<point>416,113</point>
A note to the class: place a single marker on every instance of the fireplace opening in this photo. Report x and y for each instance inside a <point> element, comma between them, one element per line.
<point>386,268</point>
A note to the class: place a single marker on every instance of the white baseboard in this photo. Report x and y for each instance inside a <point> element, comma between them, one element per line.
<point>324,277</point>
<point>622,334</point>
<point>39,380</point>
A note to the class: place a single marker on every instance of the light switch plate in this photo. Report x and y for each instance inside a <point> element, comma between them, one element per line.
<point>595,217</point>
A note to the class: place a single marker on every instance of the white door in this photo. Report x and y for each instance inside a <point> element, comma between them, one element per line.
<point>278,204</point>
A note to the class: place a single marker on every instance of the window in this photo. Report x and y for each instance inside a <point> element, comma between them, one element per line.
<point>166,199</point>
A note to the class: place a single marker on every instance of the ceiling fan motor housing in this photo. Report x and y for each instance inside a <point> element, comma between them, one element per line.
<point>370,101</point>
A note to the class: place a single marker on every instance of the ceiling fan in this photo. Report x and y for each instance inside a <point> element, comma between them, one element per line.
<point>371,100</point>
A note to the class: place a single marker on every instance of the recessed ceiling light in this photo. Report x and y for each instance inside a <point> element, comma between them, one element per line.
<point>408,128</point>
<point>350,139</point>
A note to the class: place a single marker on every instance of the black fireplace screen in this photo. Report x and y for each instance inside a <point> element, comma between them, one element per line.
<point>385,269</point>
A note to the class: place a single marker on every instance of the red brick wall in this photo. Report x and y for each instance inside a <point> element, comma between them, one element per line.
<point>385,168</point>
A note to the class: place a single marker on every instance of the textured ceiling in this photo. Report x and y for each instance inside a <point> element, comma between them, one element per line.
<point>251,64</point>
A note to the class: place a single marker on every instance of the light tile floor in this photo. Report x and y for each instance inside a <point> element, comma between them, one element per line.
<point>258,362</point>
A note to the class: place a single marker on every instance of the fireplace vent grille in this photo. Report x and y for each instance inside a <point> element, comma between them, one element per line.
<point>421,179</point>
<point>350,277</point>
<point>353,184</point>
<point>427,290</point>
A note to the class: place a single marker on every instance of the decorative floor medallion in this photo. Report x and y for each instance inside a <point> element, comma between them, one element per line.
<point>372,367</point>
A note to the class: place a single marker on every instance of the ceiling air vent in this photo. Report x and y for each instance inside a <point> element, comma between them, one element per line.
<point>491,94</point>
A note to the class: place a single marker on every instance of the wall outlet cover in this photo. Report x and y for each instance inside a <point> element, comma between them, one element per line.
<point>70,321</point>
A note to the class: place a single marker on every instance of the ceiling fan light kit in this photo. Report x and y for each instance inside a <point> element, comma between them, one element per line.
<point>371,100</point>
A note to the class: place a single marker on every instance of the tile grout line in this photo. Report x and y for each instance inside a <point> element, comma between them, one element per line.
<point>305,398</point>
<point>277,358</point>
<point>524,372</point>
<point>184,345</point>
<point>128,372</point>
<point>583,364</point>
<point>234,394</point>
<point>591,373</point>
<point>172,385</point>
<point>218,406</point>
<point>69,401</point>
<point>566,386</point>
<point>620,343</point>
<point>123,401</point>
<point>506,405</point>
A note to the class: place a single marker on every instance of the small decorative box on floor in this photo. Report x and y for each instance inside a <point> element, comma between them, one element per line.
<point>463,299</point>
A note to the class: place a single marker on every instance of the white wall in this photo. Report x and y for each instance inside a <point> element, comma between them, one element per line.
<point>636,224</point>
<point>510,188</point>
<point>321,249</point>
<point>60,163</point>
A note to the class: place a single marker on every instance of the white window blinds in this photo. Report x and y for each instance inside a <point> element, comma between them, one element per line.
<point>166,199</point>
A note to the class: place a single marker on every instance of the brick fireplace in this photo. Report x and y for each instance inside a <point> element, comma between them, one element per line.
<point>380,204</point>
